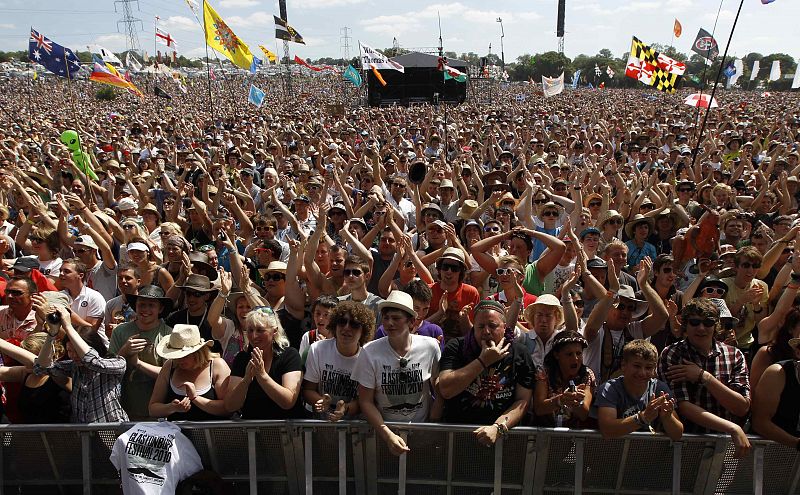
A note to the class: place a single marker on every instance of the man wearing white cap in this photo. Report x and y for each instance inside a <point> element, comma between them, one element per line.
<point>102,272</point>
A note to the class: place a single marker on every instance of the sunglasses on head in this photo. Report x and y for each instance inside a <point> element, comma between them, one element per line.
<point>714,290</point>
<point>275,277</point>
<point>707,322</point>
<point>352,271</point>
<point>263,309</point>
<point>449,267</point>
<point>506,271</point>
<point>747,264</point>
<point>350,323</point>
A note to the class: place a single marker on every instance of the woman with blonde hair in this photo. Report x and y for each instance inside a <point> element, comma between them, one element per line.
<point>265,379</point>
<point>191,384</point>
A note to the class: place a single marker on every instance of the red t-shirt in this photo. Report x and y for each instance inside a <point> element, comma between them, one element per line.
<point>465,294</point>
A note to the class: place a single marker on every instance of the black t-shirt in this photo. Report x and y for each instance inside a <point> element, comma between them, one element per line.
<point>183,317</point>
<point>294,328</point>
<point>493,391</point>
<point>257,404</point>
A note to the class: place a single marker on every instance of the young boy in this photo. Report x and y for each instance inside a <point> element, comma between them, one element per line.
<point>636,400</point>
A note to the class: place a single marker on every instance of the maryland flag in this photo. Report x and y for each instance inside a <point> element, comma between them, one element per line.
<point>270,56</point>
<point>652,68</point>
<point>220,37</point>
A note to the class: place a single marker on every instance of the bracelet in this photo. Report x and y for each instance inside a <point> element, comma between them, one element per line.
<point>502,429</point>
<point>702,380</point>
<point>640,419</point>
<point>482,363</point>
<point>793,286</point>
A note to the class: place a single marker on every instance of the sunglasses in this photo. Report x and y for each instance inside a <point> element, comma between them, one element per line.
<point>666,269</point>
<point>550,213</point>
<point>707,322</point>
<point>714,290</point>
<point>539,201</point>
<point>350,323</point>
<point>615,221</point>
<point>402,186</point>
<point>648,206</point>
<point>355,272</point>
<point>746,265</point>
<point>491,229</point>
<point>578,303</point>
<point>16,293</point>
<point>36,239</point>
<point>263,309</point>
<point>683,189</point>
<point>408,264</point>
<point>626,307</point>
<point>506,271</point>
<point>447,267</point>
<point>275,277</point>
<point>128,227</point>
<point>81,251</point>
<point>594,204</point>
<point>194,293</point>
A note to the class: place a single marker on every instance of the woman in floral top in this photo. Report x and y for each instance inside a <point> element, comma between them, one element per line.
<point>564,385</point>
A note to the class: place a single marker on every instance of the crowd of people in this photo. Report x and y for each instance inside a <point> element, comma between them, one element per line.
<point>587,261</point>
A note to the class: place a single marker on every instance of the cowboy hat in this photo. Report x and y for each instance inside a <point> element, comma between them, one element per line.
<point>154,293</point>
<point>197,283</point>
<point>399,300</point>
<point>182,341</point>
<point>200,262</point>
<point>467,208</point>
<point>455,254</point>
<point>608,216</point>
<point>636,220</point>
<point>626,292</point>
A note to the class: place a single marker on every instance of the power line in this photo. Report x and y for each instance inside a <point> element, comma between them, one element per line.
<point>131,35</point>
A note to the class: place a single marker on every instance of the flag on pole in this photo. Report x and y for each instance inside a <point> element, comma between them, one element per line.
<point>597,70</point>
<point>552,85</point>
<point>371,57</point>
<point>652,68</point>
<point>775,72</point>
<point>730,70</point>
<point>283,31</point>
<point>449,72</point>
<point>739,66</point>
<point>705,45</point>
<point>165,38</point>
<point>765,2</point>
<point>256,96</point>
<point>756,68</point>
<point>378,76</point>
<point>677,29</point>
<point>161,93</point>
<point>132,63</point>
<point>575,78</point>
<point>352,75</point>
<point>59,60</point>
<point>220,37</point>
<point>306,64</point>
<point>610,72</point>
<point>108,75</point>
<point>270,56</point>
<point>255,64</point>
<point>796,80</point>
<point>105,54</point>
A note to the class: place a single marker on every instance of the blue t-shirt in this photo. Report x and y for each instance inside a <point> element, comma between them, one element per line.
<point>538,246</point>
<point>613,394</point>
<point>637,254</point>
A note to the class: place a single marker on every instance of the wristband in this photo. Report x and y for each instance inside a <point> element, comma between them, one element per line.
<point>482,363</point>
<point>793,286</point>
<point>702,380</point>
<point>502,429</point>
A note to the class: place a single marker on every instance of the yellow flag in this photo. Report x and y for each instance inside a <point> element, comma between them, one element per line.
<point>220,37</point>
<point>270,56</point>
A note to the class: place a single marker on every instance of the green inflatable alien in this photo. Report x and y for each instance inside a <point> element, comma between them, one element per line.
<point>81,159</point>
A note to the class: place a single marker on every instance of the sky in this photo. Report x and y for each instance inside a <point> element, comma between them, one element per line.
<point>467,25</point>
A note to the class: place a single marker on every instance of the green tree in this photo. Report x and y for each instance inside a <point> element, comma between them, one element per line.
<point>106,93</point>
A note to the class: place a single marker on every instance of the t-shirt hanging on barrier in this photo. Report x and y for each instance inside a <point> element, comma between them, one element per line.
<point>153,458</point>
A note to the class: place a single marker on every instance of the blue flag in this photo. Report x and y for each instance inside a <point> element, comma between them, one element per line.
<point>57,59</point>
<point>352,75</point>
<point>256,96</point>
<point>254,65</point>
<point>576,78</point>
<point>730,70</point>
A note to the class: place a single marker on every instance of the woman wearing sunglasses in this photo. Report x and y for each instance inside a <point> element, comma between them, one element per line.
<point>265,379</point>
<point>610,227</point>
<point>664,285</point>
<point>328,386</point>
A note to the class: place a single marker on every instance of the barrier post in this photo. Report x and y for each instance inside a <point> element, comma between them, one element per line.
<point>402,463</point>
<point>530,465</point>
<point>758,470</point>
<point>308,450</point>
<point>342,461</point>
<point>677,452</point>
<point>86,461</point>
<point>711,467</point>
<point>359,475</point>
<point>498,465</point>
<point>579,444</point>
<point>542,458</point>
<point>252,466</point>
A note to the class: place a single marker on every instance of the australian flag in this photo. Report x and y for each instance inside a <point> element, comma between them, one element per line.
<point>59,60</point>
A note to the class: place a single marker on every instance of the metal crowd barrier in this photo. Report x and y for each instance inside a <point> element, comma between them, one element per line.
<point>304,457</point>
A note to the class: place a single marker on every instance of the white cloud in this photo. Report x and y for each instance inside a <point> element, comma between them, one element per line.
<point>180,23</point>
<point>390,25</point>
<point>319,4</point>
<point>234,4</point>
<point>7,26</point>
<point>256,19</point>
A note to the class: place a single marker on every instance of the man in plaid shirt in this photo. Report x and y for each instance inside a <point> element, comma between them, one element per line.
<point>709,378</point>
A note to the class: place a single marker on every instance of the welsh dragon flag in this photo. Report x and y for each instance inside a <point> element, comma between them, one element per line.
<point>451,73</point>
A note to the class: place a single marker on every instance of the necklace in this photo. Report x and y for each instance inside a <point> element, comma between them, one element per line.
<point>205,312</point>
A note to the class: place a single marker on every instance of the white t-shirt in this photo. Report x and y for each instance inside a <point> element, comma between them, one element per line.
<point>402,393</point>
<point>153,458</point>
<point>592,354</point>
<point>90,304</point>
<point>51,268</point>
<point>332,371</point>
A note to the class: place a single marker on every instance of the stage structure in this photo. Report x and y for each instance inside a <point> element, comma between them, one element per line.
<point>422,82</point>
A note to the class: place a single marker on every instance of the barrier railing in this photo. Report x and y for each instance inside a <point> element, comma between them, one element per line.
<point>304,457</point>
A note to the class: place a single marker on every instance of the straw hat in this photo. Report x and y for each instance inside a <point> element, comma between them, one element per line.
<point>399,300</point>
<point>636,220</point>
<point>184,340</point>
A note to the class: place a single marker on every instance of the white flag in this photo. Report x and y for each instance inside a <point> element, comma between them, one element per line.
<point>371,57</point>
<point>106,54</point>
<point>739,66</point>
<point>132,63</point>
<point>754,73</point>
<point>796,80</point>
<point>552,86</point>
<point>610,72</point>
<point>775,72</point>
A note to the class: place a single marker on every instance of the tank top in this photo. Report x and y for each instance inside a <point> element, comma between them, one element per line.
<point>46,404</point>
<point>195,413</point>
<point>787,415</point>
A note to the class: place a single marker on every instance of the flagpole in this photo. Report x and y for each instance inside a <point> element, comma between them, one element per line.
<point>88,182</point>
<point>208,71</point>
<point>714,89</point>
